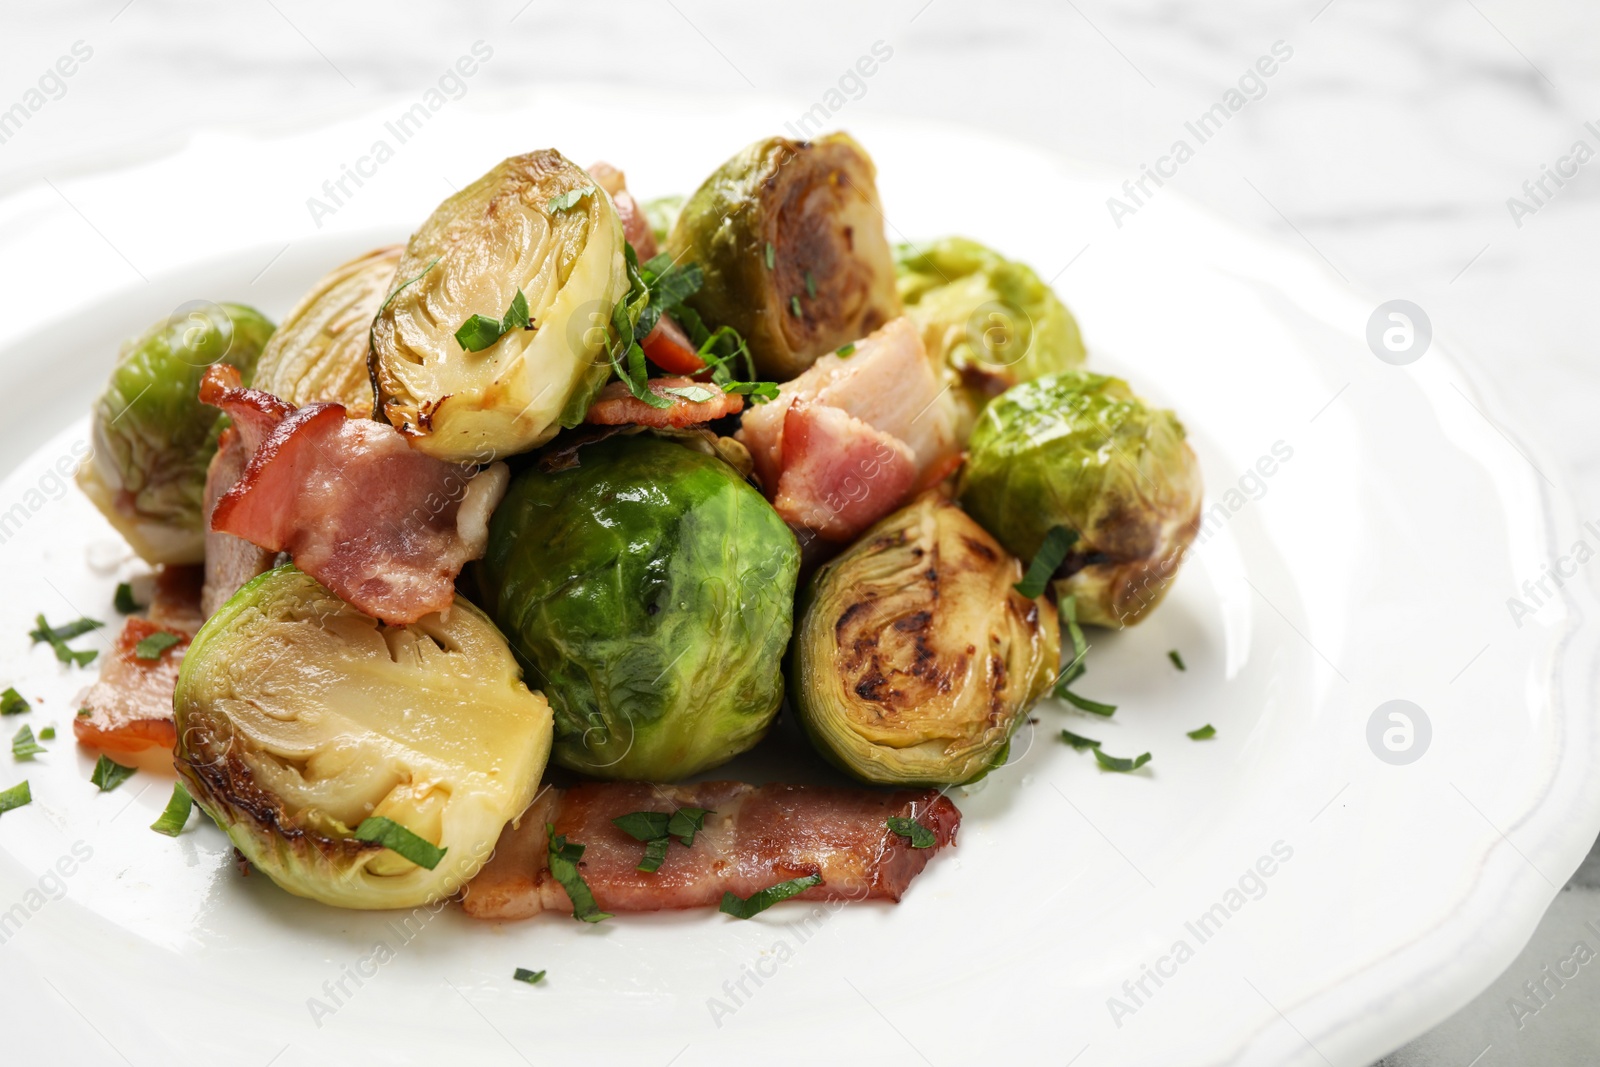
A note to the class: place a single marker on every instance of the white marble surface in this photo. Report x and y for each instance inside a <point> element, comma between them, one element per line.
<point>1387,144</point>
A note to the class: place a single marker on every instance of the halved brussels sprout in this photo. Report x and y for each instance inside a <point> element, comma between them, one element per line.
<point>650,592</point>
<point>990,319</point>
<point>320,349</point>
<point>299,718</point>
<point>790,237</point>
<point>914,658</point>
<point>535,225</point>
<point>1079,450</point>
<point>153,439</point>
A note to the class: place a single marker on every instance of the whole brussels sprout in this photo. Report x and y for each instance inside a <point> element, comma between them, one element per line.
<point>299,718</point>
<point>990,319</point>
<point>790,237</point>
<point>320,349</point>
<point>152,437</point>
<point>914,658</point>
<point>650,592</point>
<point>1079,450</point>
<point>536,227</point>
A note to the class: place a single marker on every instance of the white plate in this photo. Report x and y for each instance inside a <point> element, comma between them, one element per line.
<point>1374,563</point>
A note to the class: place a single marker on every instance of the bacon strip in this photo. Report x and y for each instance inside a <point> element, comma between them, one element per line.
<point>615,406</point>
<point>385,527</point>
<point>635,227</point>
<point>847,442</point>
<point>756,837</point>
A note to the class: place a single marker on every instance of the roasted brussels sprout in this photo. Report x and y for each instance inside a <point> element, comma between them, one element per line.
<point>790,237</point>
<point>662,214</point>
<point>153,439</point>
<point>991,320</point>
<point>1079,450</point>
<point>535,233</point>
<point>649,591</point>
<point>914,658</point>
<point>320,349</point>
<point>299,718</point>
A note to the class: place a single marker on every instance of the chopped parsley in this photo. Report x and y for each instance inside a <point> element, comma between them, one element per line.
<point>17,796</point>
<point>1177,660</point>
<point>563,860</point>
<point>913,831</point>
<point>1078,741</point>
<point>108,774</point>
<point>761,391</point>
<point>771,255</point>
<point>58,636</point>
<point>1205,733</point>
<point>13,703</point>
<point>694,394</point>
<point>47,734</point>
<point>1117,763</point>
<point>1068,610</point>
<point>177,814</point>
<point>568,199</point>
<point>524,975</point>
<point>846,350</point>
<point>756,903</point>
<point>480,331</point>
<point>397,839</point>
<point>794,306</point>
<point>23,746</point>
<point>811,285</point>
<point>657,829</point>
<point>1093,707</point>
<point>1045,561</point>
<point>123,601</point>
<point>153,646</point>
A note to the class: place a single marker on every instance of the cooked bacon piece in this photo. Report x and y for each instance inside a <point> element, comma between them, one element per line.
<point>756,836</point>
<point>175,599</point>
<point>887,390</point>
<point>130,707</point>
<point>668,347</point>
<point>230,561</point>
<point>385,527</point>
<point>838,471</point>
<point>616,406</point>
<point>635,227</point>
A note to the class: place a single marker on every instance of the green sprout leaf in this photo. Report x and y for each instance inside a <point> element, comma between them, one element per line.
<point>568,199</point>
<point>1177,660</point>
<point>524,975</point>
<point>1205,733</point>
<point>1045,561</point>
<point>123,601</point>
<point>756,903</point>
<point>480,331</point>
<point>1117,763</point>
<point>58,636</point>
<point>1078,741</point>
<point>151,647</point>
<point>16,797</point>
<point>108,774</point>
<point>177,814</point>
<point>564,857</point>
<point>23,746</point>
<point>913,831</point>
<point>13,703</point>
<point>396,838</point>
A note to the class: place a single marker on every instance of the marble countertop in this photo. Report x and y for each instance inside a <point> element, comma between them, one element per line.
<point>1427,150</point>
